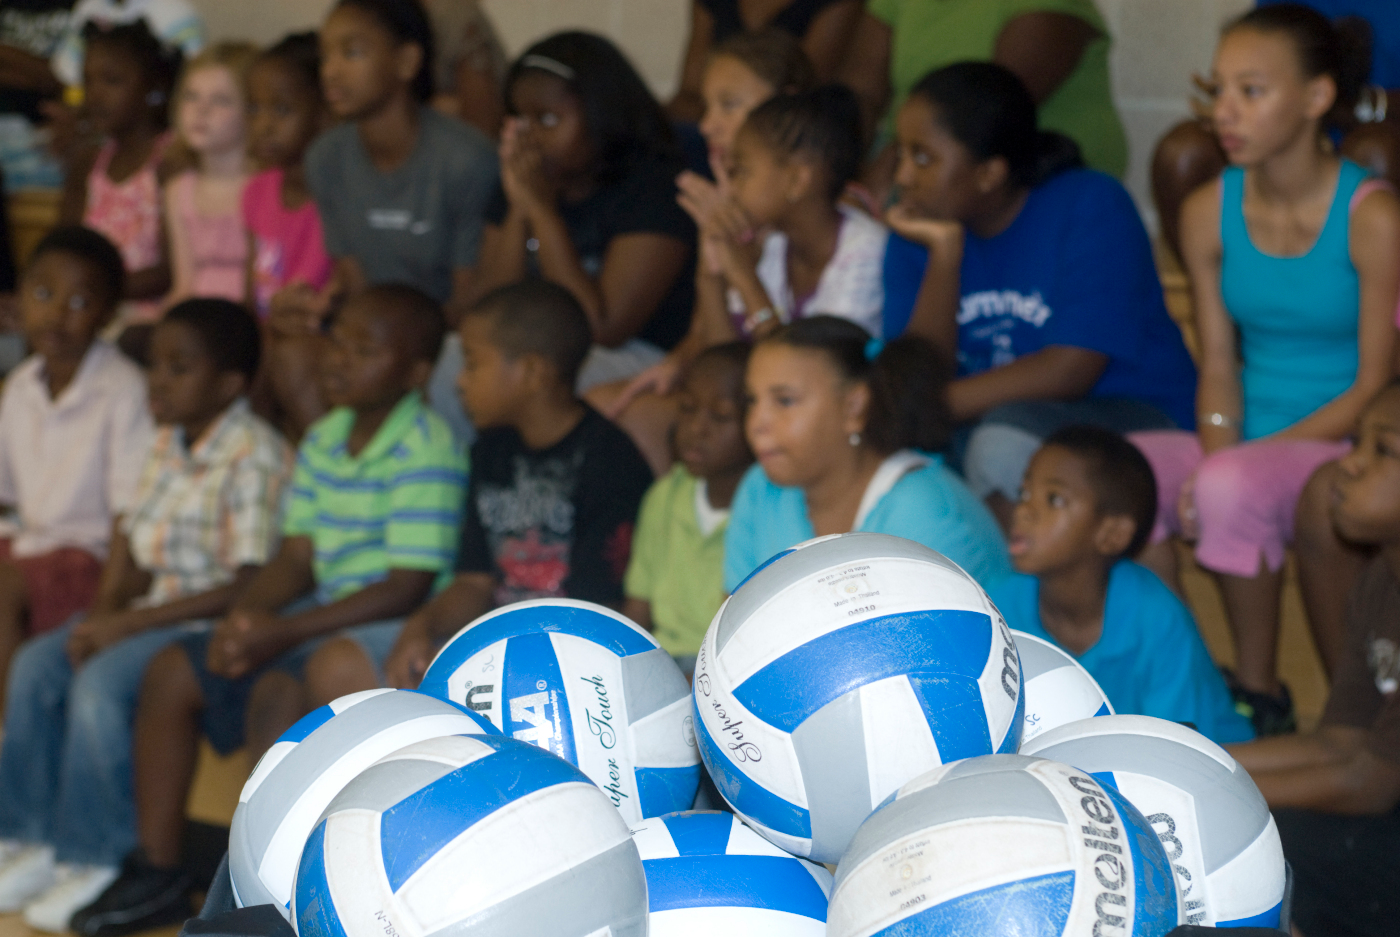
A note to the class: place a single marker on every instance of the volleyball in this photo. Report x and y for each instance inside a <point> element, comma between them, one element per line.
<point>708,873</point>
<point>308,766</point>
<point>1211,818</point>
<point>1058,689</point>
<point>587,684</point>
<point>470,836</point>
<point>1004,844</point>
<point>840,670</point>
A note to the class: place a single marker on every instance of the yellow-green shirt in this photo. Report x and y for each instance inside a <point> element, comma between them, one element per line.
<point>928,34</point>
<point>675,566</point>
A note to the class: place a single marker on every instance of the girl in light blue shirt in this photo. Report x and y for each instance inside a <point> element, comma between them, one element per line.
<point>844,429</point>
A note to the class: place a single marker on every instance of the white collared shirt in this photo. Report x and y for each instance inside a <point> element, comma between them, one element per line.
<point>69,465</point>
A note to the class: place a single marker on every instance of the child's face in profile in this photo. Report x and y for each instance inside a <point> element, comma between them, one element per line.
<point>1366,494</point>
<point>284,115</point>
<point>62,306</point>
<point>490,381</point>
<point>731,89</point>
<point>366,365</point>
<point>710,420</point>
<point>760,182</point>
<point>211,113</point>
<point>1057,521</point>
<point>186,387</point>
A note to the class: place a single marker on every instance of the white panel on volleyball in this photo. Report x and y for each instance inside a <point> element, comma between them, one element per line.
<point>1173,810</point>
<point>732,922</point>
<point>598,715</point>
<point>897,586</point>
<point>283,853</point>
<point>657,744</point>
<point>525,843</point>
<point>999,704</point>
<point>1060,696</point>
<point>898,742</point>
<point>1231,884</point>
<point>947,862</point>
<point>477,673</point>
<point>279,750</point>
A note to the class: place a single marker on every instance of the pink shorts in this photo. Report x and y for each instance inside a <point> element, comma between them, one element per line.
<point>60,584</point>
<point>1245,495</point>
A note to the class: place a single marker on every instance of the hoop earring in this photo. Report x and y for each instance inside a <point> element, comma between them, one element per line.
<point>854,440</point>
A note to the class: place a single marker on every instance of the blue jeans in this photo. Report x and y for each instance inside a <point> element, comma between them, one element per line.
<point>65,766</point>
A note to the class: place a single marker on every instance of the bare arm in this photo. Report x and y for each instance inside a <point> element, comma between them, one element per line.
<point>1375,243</point>
<point>74,204</point>
<point>935,314</point>
<point>502,258</point>
<point>1060,372</point>
<point>25,71</point>
<point>1218,382</point>
<point>465,599</point>
<point>687,104</point>
<point>460,301</point>
<point>1043,49</point>
<point>1332,770</point>
<point>639,610</point>
<point>181,259</point>
<point>829,37</point>
<point>122,580</point>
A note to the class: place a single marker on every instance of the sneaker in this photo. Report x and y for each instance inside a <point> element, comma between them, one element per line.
<point>29,872</point>
<point>1270,715</point>
<point>143,897</point>
<point>9,848</point>
<point>75,886</point>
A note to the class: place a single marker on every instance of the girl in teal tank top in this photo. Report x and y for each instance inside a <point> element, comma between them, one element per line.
<point>1297,316</point>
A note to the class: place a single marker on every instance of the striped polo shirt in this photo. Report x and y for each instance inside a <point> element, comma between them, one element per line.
<point>397,505</point>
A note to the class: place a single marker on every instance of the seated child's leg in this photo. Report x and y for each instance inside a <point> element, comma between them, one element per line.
<point>166,745</point>
<point>1173,455</point>
<point>278,700</point>
<point>14,610</point>
<point>996,460</point>
<point>1328,566</point>
<point>95,819</point>
<point>1346,879</point>
<point>340,666</point>
<point>30,758</point>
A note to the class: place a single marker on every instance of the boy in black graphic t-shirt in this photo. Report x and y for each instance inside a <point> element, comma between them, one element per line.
<point>555,487</point>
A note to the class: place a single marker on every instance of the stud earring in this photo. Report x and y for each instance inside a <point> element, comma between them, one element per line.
<point>854,440</point>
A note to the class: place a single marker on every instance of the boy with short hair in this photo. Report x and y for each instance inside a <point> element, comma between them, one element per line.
<point>1087,506</point>
<point>555,486</point>
<point>203,519</point>
<point>371,530</point>
<point>1335,791</point>
<point>74,432</point>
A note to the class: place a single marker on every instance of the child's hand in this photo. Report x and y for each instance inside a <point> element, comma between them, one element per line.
<point>1186,511</point>
<point>660,379</point>
<point>243,641</point>
<point>296,310</point>
<point>933,234</point>
<point>412,653</point>
<point>522,170</point>
<point>95,633</point>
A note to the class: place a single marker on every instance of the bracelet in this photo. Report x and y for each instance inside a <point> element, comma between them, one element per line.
<point>755,319</point>
<point>1216,419</point>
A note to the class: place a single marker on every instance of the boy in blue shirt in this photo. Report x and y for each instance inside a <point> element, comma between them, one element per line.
<point>1086,506</point>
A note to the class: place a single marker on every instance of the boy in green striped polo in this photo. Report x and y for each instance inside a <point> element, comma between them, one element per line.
<point>370,533</point>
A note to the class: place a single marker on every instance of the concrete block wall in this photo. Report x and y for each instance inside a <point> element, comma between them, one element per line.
<point>1158,44</point>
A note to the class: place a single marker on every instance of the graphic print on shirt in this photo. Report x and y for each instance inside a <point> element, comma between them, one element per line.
<point>1383,656</point>
<point>529,527</point>
<point>989,322</point>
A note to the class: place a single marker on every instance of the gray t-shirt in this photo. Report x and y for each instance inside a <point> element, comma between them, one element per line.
<point>412,225</point>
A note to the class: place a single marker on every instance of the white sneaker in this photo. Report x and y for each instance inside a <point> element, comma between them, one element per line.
<point>29,872</point>
<point>75,887</point>
<point>9,848</point>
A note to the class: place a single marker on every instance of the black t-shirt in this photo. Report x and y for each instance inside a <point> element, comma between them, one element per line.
<point>34,26</point>
<point>1364,689</point>
<point>795,18</point>
<point>555,522</point>
<point>643,201</point>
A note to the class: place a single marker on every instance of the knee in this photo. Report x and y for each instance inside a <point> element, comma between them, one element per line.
<point>1377,148</point>
<point>338,667</point>
<point>1186,157</point>
<point>39,669</point>
<point>1222,485</point>
<point>996,460</point>
<point>170,681</point>
<point>276,702</point>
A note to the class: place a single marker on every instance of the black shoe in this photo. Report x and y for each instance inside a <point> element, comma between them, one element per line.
<point>143,897</point>
<point>1270,715</point>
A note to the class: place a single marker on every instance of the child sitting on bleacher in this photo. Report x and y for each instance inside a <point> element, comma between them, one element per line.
<point>74,431</point>
<point>675,581</point>
<point>555,486</point>
<point>1334,791</point>
<point>203,519</point>
<point>1086,509</point>
<point>371,528</point>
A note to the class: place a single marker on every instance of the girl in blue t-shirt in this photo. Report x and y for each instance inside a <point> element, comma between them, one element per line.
<point>843,427</point>
<point>1037,272</point>
<point>1292,258</point>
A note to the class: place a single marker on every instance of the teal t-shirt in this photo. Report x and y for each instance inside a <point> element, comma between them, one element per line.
<point>928,504</point>
<point>1150,659</point>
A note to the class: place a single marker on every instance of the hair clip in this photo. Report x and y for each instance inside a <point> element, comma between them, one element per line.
<point>873,349</point>
<point>545,63</point>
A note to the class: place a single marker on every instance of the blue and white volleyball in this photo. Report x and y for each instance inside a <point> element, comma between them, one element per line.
<point>1004,844</point>
<point>842,669</point>
<point>587,684</point>
<point>469,836</point>
<point>304,769</point>
<point>1058,688</point>
<point>708,873</point>
<point>1212,820</point>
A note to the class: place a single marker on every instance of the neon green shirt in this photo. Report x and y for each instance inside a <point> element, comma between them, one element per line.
<point>675,566</point>
<point>928,34</point>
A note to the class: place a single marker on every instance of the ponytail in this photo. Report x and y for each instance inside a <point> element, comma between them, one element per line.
<point>908,380</point>
<point>987,109</point>
<point>1341,50</point>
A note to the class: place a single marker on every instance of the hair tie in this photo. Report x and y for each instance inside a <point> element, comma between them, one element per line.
<point>873,349</point>
<point>553,66</point>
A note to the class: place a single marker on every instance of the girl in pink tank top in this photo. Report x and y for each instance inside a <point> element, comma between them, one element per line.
<point>203,207</point>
